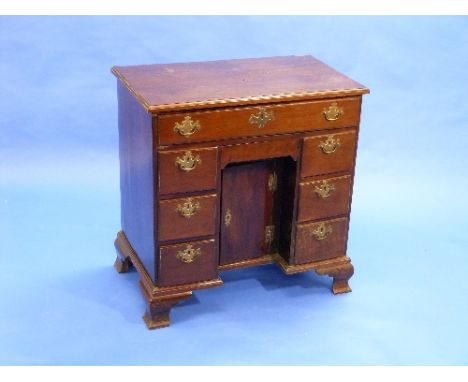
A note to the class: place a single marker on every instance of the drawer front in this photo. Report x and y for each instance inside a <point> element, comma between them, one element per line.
<point>187,217</point>
<point>187,170</point>
<point>261,150</point>
<point>258,120</point>
<point>187,263</point>
<point>321,240</point>
<point>325,154</point>
<point>324,198</point>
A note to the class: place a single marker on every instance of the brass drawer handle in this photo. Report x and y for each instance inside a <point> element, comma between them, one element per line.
<point>273,182</point>
<point>188,208</point>
<point>333,112</point>
<point>188,162</point>
<point>261,118</point>
<point>321,231</point>
<point>330,145</point>
<point>269,234</point>
<point>325,189</point>
<point>189,254</point>
<point>187,127</point>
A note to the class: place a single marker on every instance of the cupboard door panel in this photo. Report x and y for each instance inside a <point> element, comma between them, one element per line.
<point>247,205</point>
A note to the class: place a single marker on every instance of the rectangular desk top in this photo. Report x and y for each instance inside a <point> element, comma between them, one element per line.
<point>174,87</point>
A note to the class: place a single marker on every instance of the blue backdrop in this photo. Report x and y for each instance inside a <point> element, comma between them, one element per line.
<point>61,302</point>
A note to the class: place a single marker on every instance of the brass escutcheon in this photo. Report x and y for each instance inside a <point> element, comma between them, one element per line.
<point>187,127</point>
<point>324,190</point>
<point>188,162</point>
<point>321,231</point>
<point>188,208</point>
<point>227,218</point>
<point>330,145</point>
<point>261,118</point>
<point>333,112</point>
<point>189,254</point>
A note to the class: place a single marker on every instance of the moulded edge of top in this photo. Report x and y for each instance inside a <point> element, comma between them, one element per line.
<point>240,101</point>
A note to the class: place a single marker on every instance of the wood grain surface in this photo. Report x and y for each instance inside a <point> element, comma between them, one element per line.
<point>235,122</point>
<point>316,162</point>
<point>173,225</point>
<point>310,249</point>
<point>313,206</point>
<point>168,87</point>
<point>172,179</point>
<point>173,271</point>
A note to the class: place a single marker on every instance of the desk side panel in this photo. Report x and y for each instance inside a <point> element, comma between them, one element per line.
<point>136,177</point>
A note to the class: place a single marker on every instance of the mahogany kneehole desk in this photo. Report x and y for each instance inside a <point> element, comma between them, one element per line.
<point>230,164</point>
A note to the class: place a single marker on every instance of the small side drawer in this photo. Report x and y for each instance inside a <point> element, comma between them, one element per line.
<point>187,217</point>
<point>323,198</point>
<point>187,170</point>
<point>187,263</point>
<point>268,119</point>
<point>325,154</point>
<point>321,240</point>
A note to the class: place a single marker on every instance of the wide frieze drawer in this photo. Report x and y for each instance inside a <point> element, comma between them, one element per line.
<point>178,128</point>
